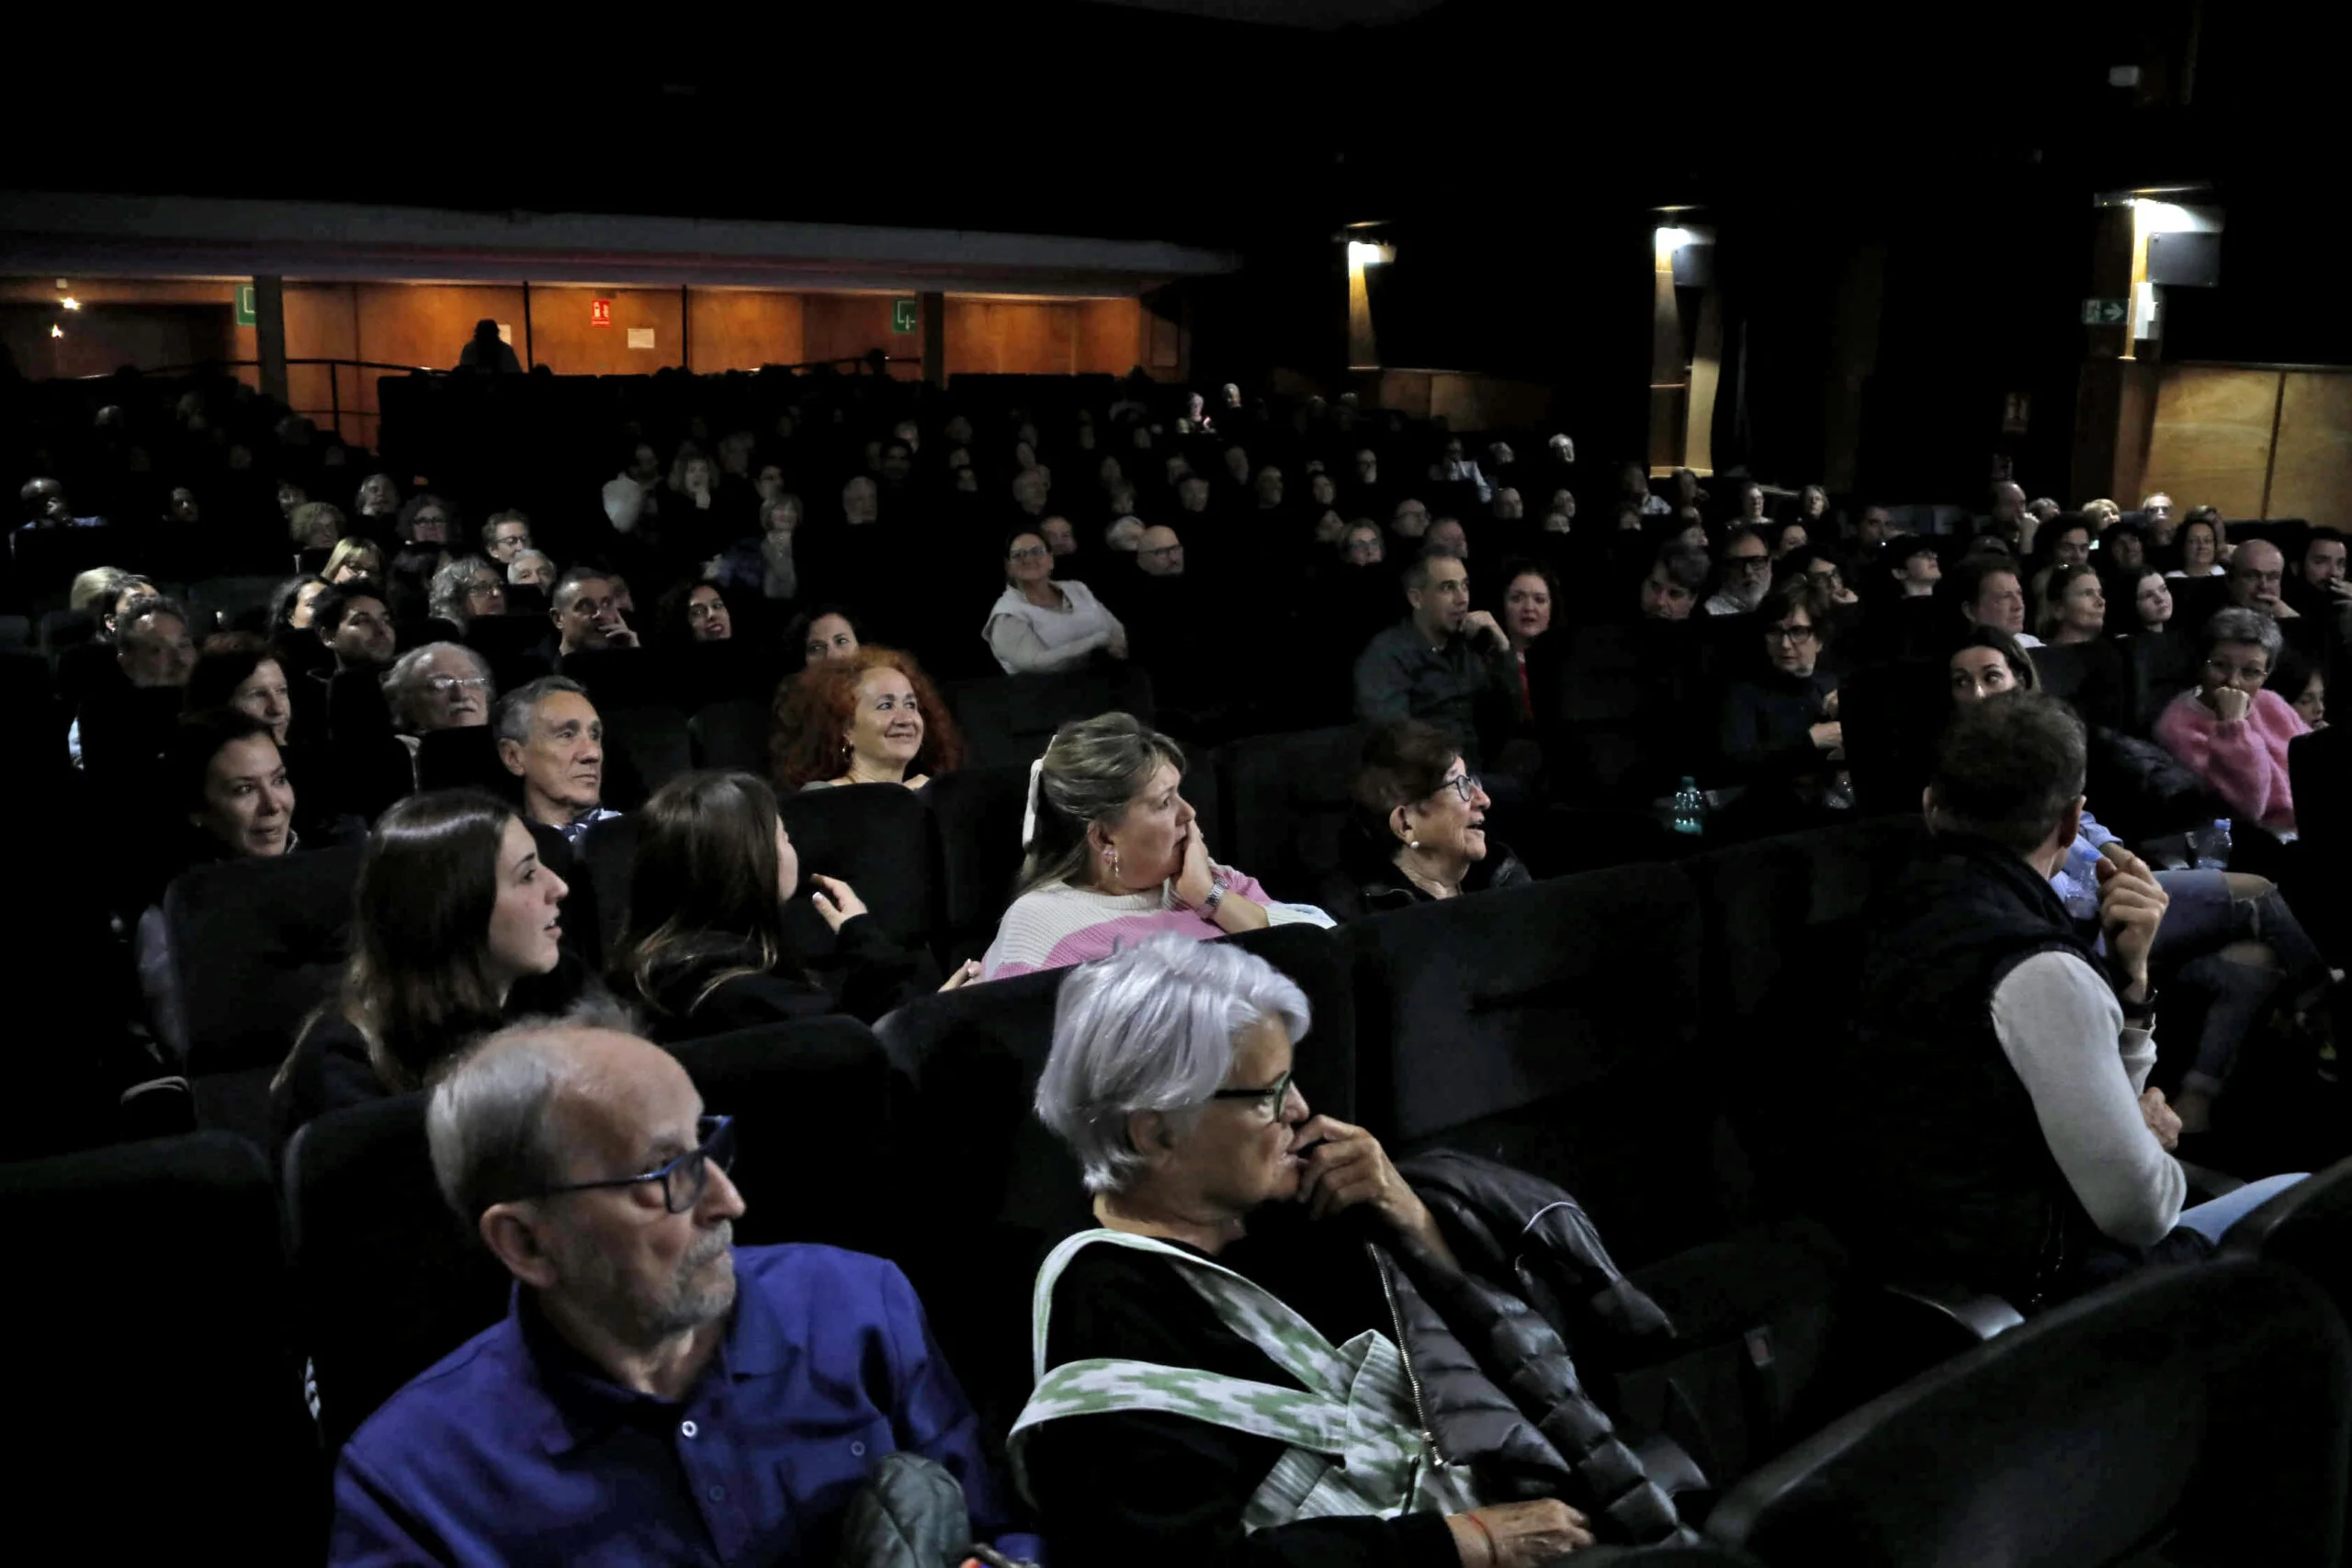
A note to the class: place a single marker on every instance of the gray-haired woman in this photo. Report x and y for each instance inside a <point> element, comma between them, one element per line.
<point>2232,733</point>
<point>465,588</point>
<point>1115,854</point>
<point>1214,1384</point>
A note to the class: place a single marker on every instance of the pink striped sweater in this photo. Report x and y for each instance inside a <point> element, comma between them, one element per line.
<point>1054,926</point>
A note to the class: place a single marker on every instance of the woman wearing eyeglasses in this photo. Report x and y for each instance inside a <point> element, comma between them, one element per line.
<point>1780,726</point>
<point>455,932</point>
<point>2230,731</point>
<point>1423,814</point>
<point>1039,625</point>
<point>1227,1360</point>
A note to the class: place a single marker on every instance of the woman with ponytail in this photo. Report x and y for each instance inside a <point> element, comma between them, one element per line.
<point>1115,856</point>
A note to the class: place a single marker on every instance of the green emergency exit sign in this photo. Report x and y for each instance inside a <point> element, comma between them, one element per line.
<point>902,315</point>
<point>246,315</point>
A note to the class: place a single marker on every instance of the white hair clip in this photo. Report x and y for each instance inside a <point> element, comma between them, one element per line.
<point>1029,813</point>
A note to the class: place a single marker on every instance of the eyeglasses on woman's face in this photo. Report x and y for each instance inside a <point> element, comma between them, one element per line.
<point>1793,634</point>
<point>1270,1100</point>
<point>1027,552</point>
<point>1463,785</point>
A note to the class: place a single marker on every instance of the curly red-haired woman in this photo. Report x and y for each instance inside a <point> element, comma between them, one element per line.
<point>869,719</point>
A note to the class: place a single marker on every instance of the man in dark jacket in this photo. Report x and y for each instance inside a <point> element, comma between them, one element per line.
<point>2004,1136</point>
<point>1445,662</point>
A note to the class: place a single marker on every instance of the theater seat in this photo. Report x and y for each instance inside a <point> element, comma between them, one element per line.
<point>731,734</point>
<point>159,1397</point>
<point>818,1142</point>
<point>876,838</point>
<point>386,1279</point>
<point>464,759</point>
<point>254,946</point>
<point>998,1190</point>
<point>2187,1416</point>
<point>645,747</point>
<point>976,815</point>
<point>1007,720</point>
<point>1287,806</point>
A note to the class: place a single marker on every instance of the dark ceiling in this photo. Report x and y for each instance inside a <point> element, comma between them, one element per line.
<point>1140,120</point>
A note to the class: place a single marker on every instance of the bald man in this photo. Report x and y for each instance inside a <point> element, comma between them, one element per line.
<point>1159,553</point>
<point>655,1393</point>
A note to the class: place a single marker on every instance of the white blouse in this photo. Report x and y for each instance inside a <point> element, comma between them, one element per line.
<point>1027,637</point>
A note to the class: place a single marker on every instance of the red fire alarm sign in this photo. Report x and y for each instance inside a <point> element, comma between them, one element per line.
<point>600,313</point>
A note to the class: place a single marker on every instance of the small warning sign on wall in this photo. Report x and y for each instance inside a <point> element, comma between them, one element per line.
<point>641,337</point>
<point>600,312</point>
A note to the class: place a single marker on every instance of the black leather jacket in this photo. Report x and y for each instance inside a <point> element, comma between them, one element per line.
<point>1488,1350</point>
<point>1390,888</point>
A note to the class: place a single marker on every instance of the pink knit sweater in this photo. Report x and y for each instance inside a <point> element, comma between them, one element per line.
<point>2244,761</point>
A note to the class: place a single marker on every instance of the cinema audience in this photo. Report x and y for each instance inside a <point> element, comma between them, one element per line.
<point>1039,625</point>
<point>455,929</point>
<point>869,719</point>
<point>1221,1253</point>
<point>584,1161</point>
<point>2232,732</point>
<point>1422,814</point>
<point>1995,1145</point>
<point>551,739</point>
<point>1113,852</point>
<point>1445,663</point>
<point>705,949</point>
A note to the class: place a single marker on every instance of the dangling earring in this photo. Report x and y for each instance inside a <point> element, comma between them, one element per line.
<point>1111,859</point>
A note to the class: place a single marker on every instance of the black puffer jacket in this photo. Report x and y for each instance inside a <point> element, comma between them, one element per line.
<point>1484,1349</point>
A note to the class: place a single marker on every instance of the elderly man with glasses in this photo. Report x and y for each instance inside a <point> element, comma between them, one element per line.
<point>1746,574</point>
<point>655,1393</point>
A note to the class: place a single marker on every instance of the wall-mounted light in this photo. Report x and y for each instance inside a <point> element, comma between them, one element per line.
<point>1360,254</point>
<point>1672,240</point>
<point>57,332</point>
<point>70,303</point>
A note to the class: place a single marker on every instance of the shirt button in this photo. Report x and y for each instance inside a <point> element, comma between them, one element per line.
<point>719,1493</point>
<point>857,1451</point>
<point>686,1429</point>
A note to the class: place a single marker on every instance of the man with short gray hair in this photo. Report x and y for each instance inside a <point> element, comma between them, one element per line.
<point>655,1393</point>
<point>551,736</point>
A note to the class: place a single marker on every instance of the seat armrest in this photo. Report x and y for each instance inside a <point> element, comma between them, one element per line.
<point>1978,1316</point>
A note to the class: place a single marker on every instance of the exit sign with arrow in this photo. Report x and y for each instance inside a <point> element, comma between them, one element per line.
<point>2105,312</point>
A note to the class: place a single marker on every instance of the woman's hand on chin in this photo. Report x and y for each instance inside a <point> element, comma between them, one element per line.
<point>1343,1167</point>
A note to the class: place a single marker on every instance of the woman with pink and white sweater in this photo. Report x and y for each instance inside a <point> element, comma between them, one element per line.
<point>2232,733</point>
<point>1115,856</point>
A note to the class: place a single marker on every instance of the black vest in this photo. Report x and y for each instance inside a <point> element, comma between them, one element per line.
<point>1951,1183</point>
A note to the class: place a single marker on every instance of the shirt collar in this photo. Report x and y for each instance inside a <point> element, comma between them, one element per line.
<point>583,1403</point>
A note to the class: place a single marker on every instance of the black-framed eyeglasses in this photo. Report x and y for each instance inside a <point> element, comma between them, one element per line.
<point>1798,636</point>
<point>1464,785</point>
<point>683,1178</point>
<point>1271,1098</point>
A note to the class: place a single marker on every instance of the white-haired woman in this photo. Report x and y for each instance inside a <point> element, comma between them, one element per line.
<point>1115,854</point>
<point>1221,1372</point>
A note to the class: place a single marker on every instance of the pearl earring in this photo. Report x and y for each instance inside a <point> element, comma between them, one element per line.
<point>1412,843</point>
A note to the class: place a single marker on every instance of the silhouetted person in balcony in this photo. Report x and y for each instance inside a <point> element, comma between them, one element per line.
<point>487,353</point>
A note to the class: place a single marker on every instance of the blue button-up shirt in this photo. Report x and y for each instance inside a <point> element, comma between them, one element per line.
<point>514,1448</point>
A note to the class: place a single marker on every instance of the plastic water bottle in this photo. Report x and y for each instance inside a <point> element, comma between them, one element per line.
<point>1690,809</point>
<point>2213,846</point>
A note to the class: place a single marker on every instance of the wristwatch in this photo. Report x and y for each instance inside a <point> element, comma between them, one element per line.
<point>2143,1013</point>
<point>1217,885</point>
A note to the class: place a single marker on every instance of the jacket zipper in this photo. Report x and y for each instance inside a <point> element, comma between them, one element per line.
<point>1404,1354</point>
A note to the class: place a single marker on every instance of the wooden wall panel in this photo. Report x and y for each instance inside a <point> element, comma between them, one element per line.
<point>843,326</point>
<point>430,323</point>
<point>1111,336</point>
<point>565,339</point>
<point>2210,442</point>
<point>1012,337</point>
<point>321,323</point>
<point>742,329</point>
<point>2311,475</point>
